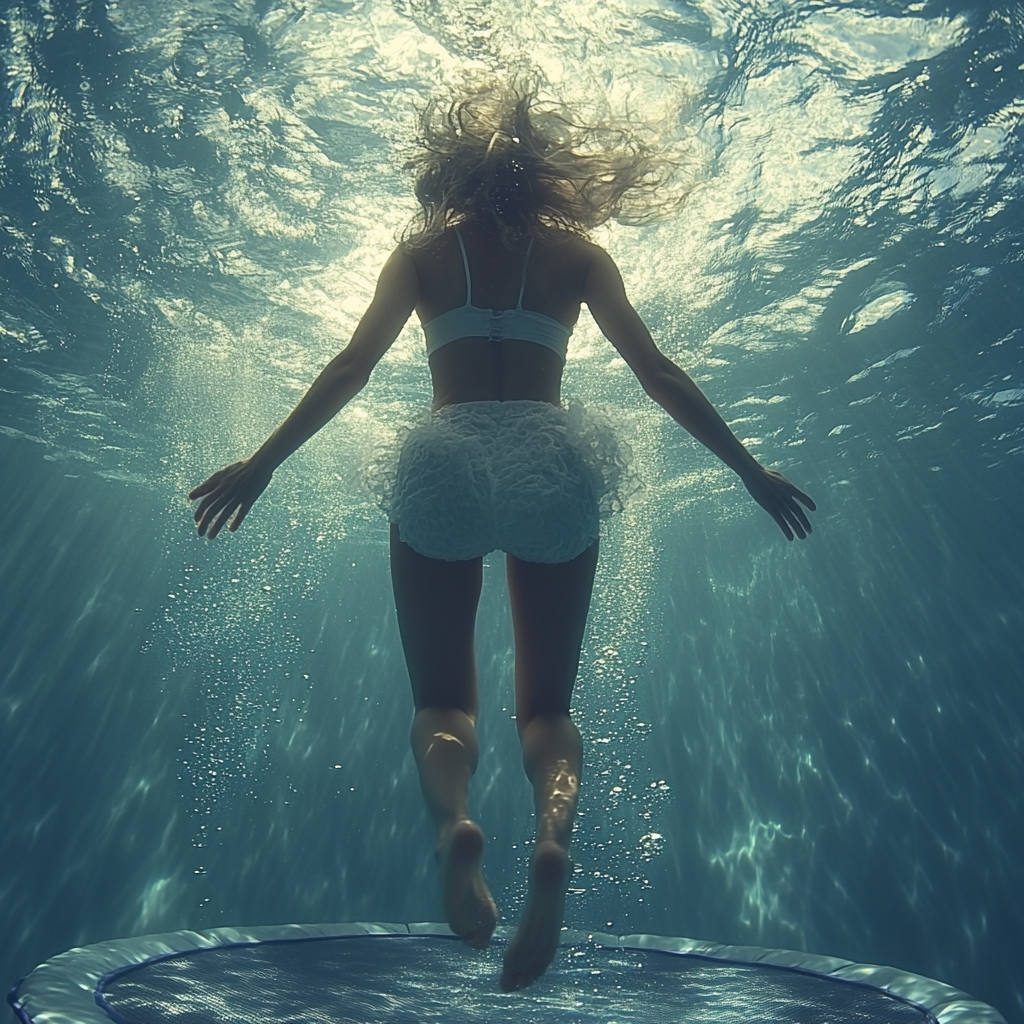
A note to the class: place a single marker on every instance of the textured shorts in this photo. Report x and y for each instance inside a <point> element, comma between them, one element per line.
<point>528,478</point>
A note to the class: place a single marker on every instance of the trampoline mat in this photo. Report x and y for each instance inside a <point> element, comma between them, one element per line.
<point>392,978</point>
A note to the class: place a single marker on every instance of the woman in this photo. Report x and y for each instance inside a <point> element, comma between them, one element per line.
<point>497,272</point>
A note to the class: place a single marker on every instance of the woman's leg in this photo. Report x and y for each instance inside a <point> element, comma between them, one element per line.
<point>436,603</point>
<point>549,612</point>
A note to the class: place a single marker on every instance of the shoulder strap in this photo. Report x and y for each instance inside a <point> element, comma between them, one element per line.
<point>522,284</point>
<point>465,266</point>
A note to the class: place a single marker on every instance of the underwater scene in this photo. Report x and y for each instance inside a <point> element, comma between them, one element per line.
<point>816,745</point>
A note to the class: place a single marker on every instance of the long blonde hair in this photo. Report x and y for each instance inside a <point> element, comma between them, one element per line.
<point>499,154</point>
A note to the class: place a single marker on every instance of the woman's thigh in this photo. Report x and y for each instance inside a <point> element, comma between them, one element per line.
<point>550,603</point>
<point>436,602</point>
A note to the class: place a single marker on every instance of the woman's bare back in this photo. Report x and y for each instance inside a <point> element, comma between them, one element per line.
<point>478,369</point>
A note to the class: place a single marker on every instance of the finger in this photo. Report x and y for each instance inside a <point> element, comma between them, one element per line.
<point>217,523</point>
<point>783,525</point>
<point>208,485</point>
<point>208,509</point>
<point>201,509</point>
<point>798,518</point>
<point>197,492</point>
<point>794,524</point>
<point>230,507</point>
<point>211,483</point>
<point>215,509</point>
<point>806,499</point>
<point>787,513</point>
<point>237,522</point>
<point>801,518</point>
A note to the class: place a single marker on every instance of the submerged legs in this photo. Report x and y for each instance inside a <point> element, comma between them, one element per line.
<point>444,743</point>
<point>436,604</point>
<point>552,756</point>
<point>549,612</point>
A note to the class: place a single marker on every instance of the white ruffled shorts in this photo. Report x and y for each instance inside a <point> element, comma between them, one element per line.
<point>528,478</point>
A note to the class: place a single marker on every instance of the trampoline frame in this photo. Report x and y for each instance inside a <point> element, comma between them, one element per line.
<point>56,991</point>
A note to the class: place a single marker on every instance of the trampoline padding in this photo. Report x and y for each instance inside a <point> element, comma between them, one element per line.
<point>357,974</point>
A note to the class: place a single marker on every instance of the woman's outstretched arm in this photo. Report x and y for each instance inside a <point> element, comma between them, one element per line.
<point>232,490</point>
<point>680,397</point>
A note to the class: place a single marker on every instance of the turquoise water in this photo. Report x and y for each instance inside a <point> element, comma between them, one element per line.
<point>816,746</point>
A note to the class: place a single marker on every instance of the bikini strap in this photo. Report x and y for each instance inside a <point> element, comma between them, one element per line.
<point>465,266</point>
<point>522,284</point>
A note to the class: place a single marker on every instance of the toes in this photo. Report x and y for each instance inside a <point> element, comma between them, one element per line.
<point>478,940</point>
<point>512,982</point>
<point>535,943</point>
<point>517,976</point>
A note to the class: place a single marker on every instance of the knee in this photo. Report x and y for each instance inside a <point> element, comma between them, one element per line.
<point>443,714</point>
<point>438,728</point>
<point>547,723</point>
<point>549,734</point>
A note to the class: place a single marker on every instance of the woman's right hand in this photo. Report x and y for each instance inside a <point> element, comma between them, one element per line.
<point>231,490</point>
<point>779,498</point>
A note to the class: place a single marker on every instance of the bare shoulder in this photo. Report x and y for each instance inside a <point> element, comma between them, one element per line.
<point>589,258</point>
<point>566,260</point>
<point>602,278</point>
<point>433,261</point>
<point>399,276</point>
<point>572,246</point>
<point>402,256</point>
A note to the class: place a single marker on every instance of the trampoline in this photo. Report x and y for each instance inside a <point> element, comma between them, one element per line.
<point>382,973</point>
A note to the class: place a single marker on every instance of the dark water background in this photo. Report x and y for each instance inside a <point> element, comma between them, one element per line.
<point>816,746</point>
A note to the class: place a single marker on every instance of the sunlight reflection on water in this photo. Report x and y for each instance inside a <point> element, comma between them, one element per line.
<point>197,201</point>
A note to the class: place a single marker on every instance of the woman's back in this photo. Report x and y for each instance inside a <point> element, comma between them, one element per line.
<point>477,368</point>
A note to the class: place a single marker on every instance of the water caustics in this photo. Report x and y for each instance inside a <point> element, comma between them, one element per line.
<point>815,748</point>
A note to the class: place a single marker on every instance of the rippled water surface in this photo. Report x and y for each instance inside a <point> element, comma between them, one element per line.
<point>816,746</point>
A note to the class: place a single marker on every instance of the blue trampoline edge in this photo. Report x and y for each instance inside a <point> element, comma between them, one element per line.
<point>69,987</point>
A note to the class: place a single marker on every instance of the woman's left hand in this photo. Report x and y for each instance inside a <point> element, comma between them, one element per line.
<point>781,500</point>
<point>231,490</point>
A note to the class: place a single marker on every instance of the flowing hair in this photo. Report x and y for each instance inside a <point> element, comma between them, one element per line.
<point>501,155</point>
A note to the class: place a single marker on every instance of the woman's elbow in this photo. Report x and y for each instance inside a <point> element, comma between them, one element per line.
<point>660,380</point>
<point>349,372</point>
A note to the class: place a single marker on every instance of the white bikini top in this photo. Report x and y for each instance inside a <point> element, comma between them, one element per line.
<point>469,321</point>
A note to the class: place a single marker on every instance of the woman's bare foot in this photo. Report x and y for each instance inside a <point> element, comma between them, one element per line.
<point>535,942</point>
<point>467,900</point>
